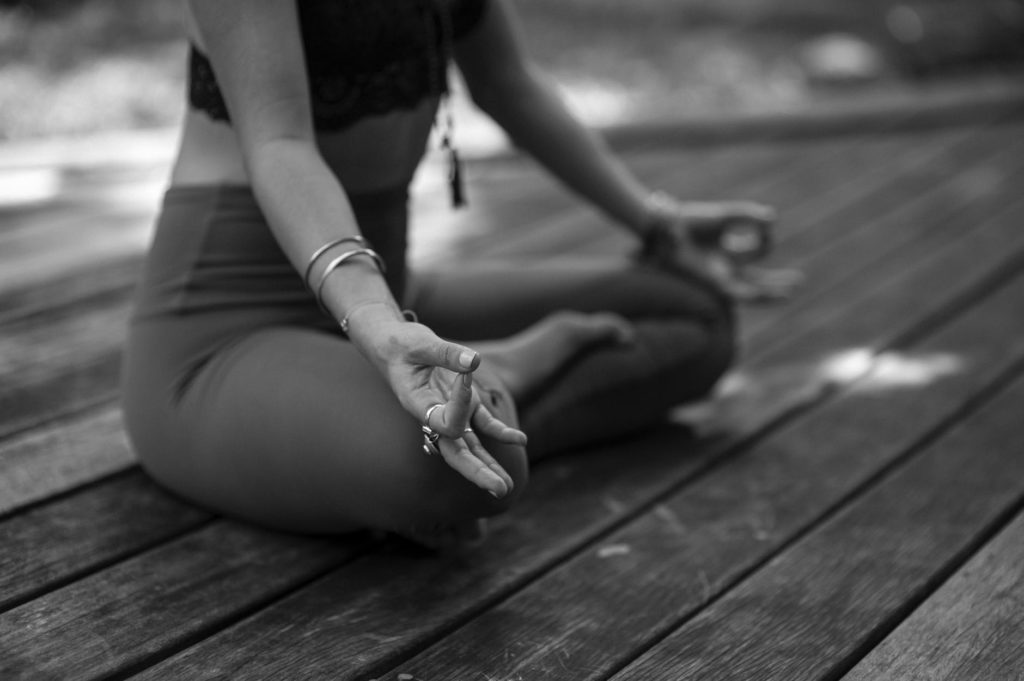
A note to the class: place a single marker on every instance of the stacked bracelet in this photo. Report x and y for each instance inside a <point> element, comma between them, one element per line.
<point>338,262</point>
<point>326,247</point>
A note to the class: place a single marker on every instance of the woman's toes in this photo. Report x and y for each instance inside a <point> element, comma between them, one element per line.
<point>614,327</point>
<point>584,329</point>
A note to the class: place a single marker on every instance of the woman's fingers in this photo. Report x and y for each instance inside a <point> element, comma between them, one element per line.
<point>485,423</point>
<point>452,417</point>
<point>457,454</point>
<point>452,356</point>
<point>478,450</point>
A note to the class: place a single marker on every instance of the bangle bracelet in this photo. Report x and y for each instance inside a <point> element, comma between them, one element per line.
<point>338,262</point>
<point>326,247</point>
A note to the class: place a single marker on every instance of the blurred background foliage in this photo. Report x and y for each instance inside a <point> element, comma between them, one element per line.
<point>74,66</point>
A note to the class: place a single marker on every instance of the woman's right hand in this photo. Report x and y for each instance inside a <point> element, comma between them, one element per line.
<point>425,370</point>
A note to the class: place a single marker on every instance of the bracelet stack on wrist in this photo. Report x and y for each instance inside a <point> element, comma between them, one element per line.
<point>363,250</point>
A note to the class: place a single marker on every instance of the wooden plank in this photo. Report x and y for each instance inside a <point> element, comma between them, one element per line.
<point>109,280</point>
<point>970,630</point>
<point>54,544</point>
<point>591,615</point>
<point>572,502</point>
<point>907,282</point>
<point>799,221</point>
<point>98,238</point>
<point>52,460</point>
<point>162,600</point>
<point>867,245</point>
<point>809,611</point>
<point>69,363</point>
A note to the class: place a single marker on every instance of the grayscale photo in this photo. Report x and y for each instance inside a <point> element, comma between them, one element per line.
<point>512,340</point>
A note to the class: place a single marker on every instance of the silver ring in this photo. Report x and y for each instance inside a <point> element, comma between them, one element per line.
<point>430,411</point>
<point>430,438</point>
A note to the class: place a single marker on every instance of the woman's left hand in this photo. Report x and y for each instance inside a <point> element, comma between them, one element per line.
<point>685,236</point>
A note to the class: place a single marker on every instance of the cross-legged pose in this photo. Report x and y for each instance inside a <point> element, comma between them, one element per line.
<point>283,364</point>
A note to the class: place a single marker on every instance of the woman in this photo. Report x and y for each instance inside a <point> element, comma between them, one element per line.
<point>285,220</point>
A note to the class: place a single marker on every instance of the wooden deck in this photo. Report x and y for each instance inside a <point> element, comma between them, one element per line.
<point>859,519</point>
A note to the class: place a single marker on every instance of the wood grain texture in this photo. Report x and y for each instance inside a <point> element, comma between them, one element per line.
<point>807,613</point>
<point>591,615</point>
<point>972,629</point>
<point>65,539</point>
<point>431,598</point>
<point>985,232</point>
<point>53,459</point>
<point>160,600</point>
<point>91,282</point>
<point>882,234</point>
<point>92,239</point>
<point>67,363</point>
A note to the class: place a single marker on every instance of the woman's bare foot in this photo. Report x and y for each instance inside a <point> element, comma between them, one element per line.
<point>526,360</point>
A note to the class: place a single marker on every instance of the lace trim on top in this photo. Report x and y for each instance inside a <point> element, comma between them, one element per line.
<point>363,57</point>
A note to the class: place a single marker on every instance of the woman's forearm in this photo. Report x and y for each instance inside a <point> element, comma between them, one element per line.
<point>539,122</point>
<point>307,208</point>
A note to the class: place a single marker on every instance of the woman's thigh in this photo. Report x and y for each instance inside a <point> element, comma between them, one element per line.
<point>491,300</point>
<point>292,428</point>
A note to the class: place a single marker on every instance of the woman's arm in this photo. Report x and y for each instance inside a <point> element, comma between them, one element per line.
<point>256,49</point>
<point>505,84</point>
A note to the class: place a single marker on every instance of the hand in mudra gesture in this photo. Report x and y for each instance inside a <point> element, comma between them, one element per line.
<point>429,374</point>
<point>721,240</point>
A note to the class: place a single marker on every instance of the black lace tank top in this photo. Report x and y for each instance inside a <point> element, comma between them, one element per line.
<point>363,57</point>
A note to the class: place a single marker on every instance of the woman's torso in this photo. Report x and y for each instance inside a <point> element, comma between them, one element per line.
<point>380,141</point>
